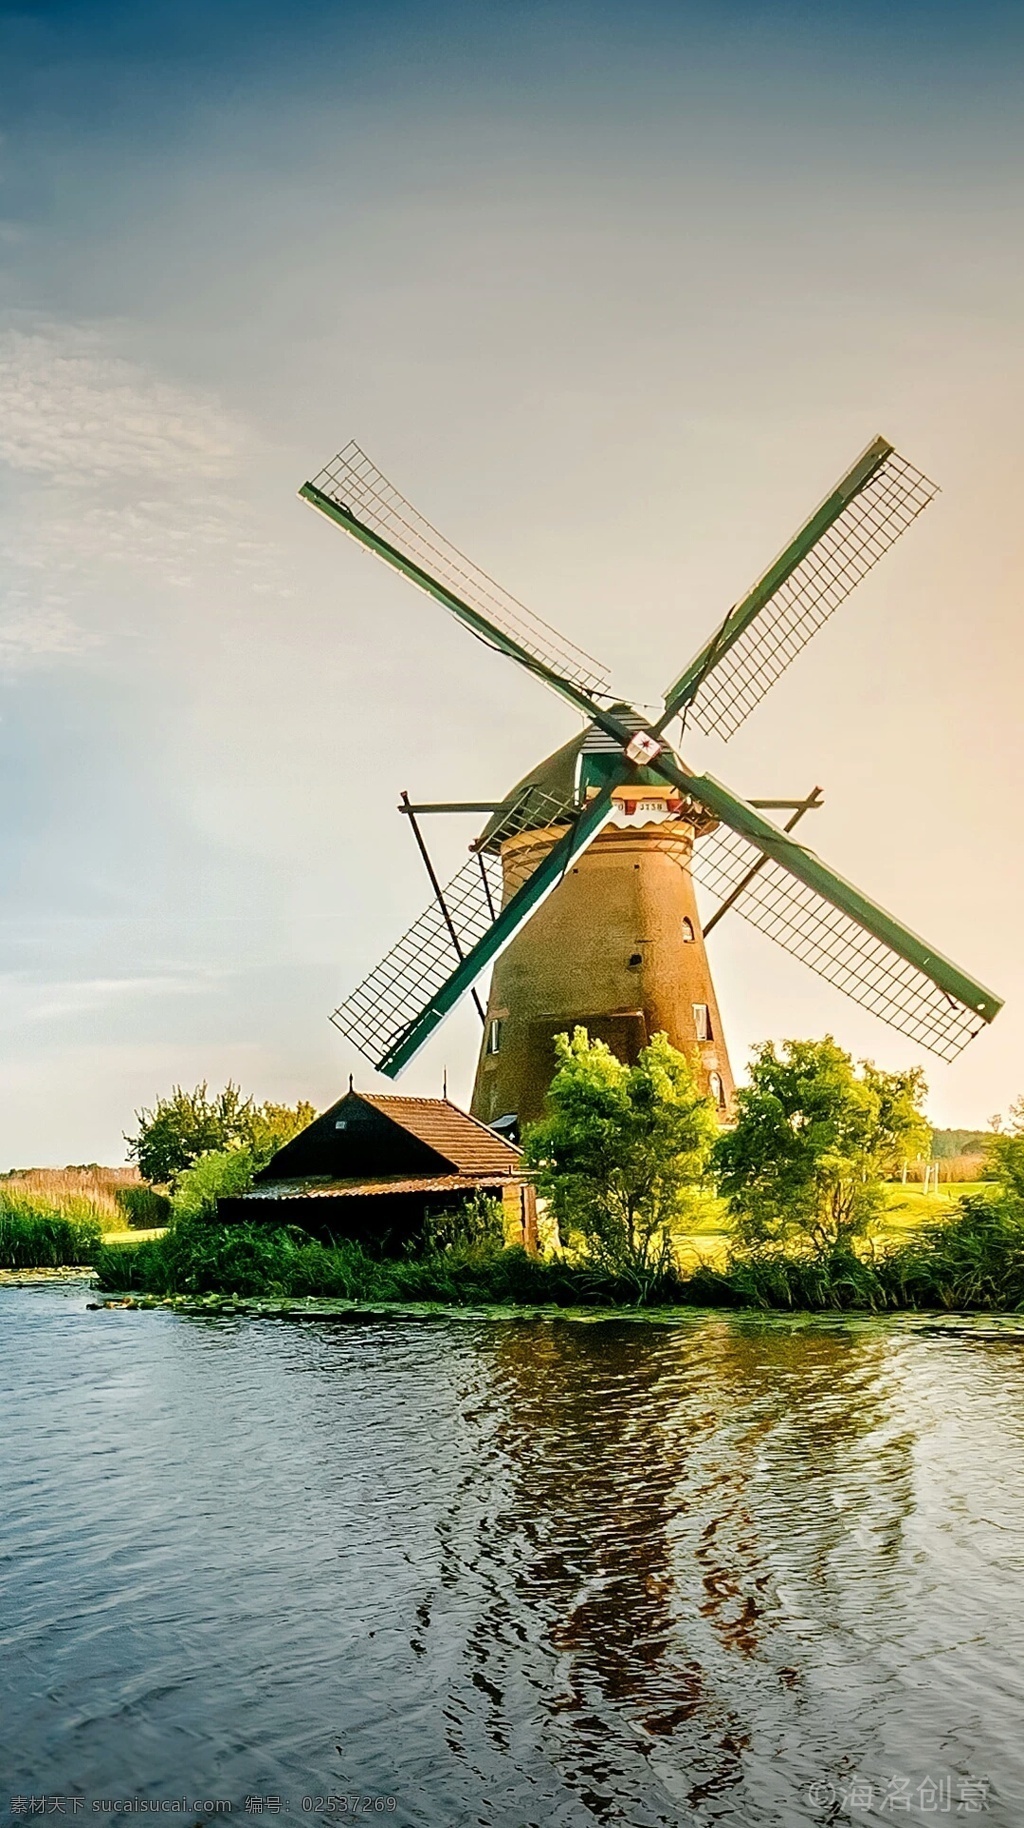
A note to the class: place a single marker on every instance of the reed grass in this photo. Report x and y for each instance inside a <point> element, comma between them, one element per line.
<point>974,1262</point>
<point>194,1259</point>
<point>82,1195</point>
<point>34,1236</point>
<point>112,1199</point>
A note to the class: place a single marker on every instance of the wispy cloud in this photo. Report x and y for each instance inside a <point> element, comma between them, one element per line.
<point>42,633</point>
<point>114,472</point>
<point>177,534</point>
<point>73,412</point>
<point>27,999</point>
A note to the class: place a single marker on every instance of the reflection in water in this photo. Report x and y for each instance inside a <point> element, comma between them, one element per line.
<point>512,1573</point>
<point>649,1475</point>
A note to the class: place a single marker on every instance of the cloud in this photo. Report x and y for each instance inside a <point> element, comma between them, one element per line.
<point>37,635</point>
<point>177,535</point>
<point>114,475</point>
<point>29,1000</point>
<point>74,413</point>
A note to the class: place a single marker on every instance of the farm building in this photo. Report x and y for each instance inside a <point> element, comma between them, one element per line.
<point>372,1168</point>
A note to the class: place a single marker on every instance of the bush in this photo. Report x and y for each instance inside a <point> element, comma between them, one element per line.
<point>480,1221</point>
<point>143,1208</point>
<point>36,1237</point>
<point>974,1261</point>
<point>220,1172</point>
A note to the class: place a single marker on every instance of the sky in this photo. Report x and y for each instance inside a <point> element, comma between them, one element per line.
<point>613,295</point>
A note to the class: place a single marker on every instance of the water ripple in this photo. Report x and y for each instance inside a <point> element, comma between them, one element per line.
<point>509,1574</point>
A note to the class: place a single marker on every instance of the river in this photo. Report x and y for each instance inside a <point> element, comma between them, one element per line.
<point>509,1573</point>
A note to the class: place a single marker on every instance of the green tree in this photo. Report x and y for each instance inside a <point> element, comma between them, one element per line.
<point>181,1128</point>
<point>901,1130</point>
<point>814,1138</point>
<point>622,1154</point>
<point>272,1125</point>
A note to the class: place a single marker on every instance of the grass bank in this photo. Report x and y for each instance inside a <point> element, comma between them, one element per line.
<point>971,1262</point>
<point>254,1260</point>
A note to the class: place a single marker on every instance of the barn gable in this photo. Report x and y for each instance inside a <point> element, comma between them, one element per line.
<point>356,1140</point>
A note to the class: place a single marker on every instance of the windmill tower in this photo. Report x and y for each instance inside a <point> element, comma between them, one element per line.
<point>619,949</point>
<point>579,890</point>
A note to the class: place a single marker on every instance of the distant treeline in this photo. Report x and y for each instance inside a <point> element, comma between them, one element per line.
<point>959,1142</point>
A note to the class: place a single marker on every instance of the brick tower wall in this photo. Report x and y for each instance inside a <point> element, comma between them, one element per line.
<point>610,950</point>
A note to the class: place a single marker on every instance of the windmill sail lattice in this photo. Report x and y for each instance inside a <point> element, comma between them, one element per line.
<point>376,1014</point>
<point>792,896</point>
<point>356,485</point>
<point>836,947</point>
<point>741,670</point>
<point>381,1009</point>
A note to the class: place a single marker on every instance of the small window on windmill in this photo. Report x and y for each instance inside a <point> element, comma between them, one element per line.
<point>494,1028</point>
<point>688,933</point>
<point>717,1089</point>
<point>702,1021</point>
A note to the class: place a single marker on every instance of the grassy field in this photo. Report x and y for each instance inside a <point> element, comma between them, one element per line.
<point>908,1210</point>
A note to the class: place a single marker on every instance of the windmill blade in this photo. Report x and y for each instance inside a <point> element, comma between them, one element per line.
<point>823,920</point>
<point>865,514</point>
<point>351,491</point>
<point>398,1006</point>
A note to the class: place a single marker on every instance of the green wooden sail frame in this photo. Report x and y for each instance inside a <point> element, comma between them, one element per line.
<point>870,506</point>
<point>779,885</point>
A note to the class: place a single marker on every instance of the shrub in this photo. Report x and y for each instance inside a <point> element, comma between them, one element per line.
<point>143,1208</point>
<point>480,1221</point>
<point>221,1172</point>
<point>1004,1156</point>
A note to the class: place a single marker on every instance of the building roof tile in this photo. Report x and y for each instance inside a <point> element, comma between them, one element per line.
<point>470,1146</point>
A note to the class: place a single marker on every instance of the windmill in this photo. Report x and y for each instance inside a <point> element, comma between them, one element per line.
<point>579,889</point>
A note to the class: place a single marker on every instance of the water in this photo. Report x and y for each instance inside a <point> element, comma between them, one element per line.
<point>510,1573</point>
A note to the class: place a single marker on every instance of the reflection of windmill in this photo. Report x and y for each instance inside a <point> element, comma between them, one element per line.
<point>618,825</point>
